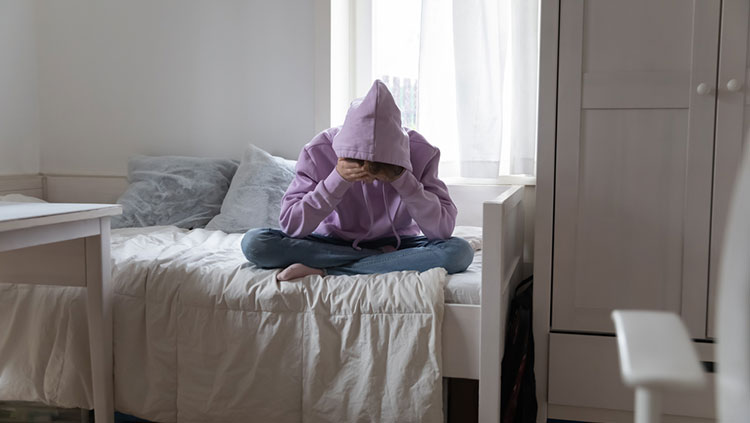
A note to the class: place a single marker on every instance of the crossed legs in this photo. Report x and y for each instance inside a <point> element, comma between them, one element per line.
<point>317,254</point>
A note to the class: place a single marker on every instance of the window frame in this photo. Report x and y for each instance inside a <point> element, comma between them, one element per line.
<point>343,68</point>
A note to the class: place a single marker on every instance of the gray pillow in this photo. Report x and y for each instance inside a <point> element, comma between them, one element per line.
<point>173,190</point>
<point>254,198</point>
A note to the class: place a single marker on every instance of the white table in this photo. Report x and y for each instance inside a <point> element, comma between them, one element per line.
<point>67,244</point>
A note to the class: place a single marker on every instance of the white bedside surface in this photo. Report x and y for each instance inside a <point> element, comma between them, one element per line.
<point>72,240</point>
<point>24,215</point>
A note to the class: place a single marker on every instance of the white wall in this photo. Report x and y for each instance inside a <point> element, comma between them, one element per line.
<point>190,77</point>
<point>19,107</point>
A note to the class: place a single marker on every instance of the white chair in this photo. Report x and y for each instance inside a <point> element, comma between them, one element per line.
<point>656,352</point>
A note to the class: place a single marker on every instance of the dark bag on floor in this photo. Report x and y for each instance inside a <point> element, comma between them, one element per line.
<point>518,388</point>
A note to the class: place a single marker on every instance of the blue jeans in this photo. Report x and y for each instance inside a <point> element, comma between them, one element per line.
<point>271,248</point>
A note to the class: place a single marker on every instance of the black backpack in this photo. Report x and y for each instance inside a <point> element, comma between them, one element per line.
<point>518,387</point>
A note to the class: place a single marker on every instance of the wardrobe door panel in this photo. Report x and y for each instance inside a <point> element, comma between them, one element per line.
<point>633,166</point>
<point>636,36</point>
<point>634,160</point>
<point>732,127</point>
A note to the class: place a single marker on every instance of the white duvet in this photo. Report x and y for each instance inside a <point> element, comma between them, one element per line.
<point>200,335</point>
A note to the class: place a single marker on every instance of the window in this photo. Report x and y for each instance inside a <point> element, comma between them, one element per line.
<point>395,52</point>
<point>463,72</point>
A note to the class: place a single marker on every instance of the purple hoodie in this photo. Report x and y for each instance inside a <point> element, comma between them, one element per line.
<point>319,200</point>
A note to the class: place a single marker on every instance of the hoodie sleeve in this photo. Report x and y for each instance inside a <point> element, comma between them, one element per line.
<point>308,200</point>
<point>427,200</point>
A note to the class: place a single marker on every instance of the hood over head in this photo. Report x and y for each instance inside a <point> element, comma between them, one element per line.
<point>372,130</point>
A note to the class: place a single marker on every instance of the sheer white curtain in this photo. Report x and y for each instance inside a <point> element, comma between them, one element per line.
<point>477,85</point>
<point>463,72</point>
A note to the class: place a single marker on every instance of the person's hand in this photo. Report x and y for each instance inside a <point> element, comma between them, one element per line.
<point>383,171</point>
<point>352,170</point>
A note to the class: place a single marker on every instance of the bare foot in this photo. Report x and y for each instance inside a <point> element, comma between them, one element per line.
<point>296,271</point>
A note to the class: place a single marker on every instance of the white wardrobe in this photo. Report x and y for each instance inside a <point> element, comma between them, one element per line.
<point>637,156</point>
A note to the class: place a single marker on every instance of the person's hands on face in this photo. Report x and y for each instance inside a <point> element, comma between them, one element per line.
<point>383,171</point>
<point>353,170</point>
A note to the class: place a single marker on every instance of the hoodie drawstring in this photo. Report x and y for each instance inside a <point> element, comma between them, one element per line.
<point>390,219</point>
<point>355,244</point>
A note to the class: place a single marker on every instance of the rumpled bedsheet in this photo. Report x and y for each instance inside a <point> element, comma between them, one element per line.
<point>201,335</point>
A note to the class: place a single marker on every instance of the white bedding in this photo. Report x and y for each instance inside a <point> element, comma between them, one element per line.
<point>466,287</point>
<point>200,335</point>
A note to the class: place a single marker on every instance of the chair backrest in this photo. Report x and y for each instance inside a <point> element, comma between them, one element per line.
<point>733,307</point>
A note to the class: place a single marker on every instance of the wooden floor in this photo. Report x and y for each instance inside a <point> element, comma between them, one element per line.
<point>462,406</point>
<point>24,412</point>
<point>21,412</point>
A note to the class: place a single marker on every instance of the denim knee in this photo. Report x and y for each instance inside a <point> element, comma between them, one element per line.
<point>458,255</point>
<point>257,246</point>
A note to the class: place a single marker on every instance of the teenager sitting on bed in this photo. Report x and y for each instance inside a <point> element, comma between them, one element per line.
<point>361,195</point>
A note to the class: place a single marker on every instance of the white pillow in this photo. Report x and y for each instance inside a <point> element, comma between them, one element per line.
<point>254,196</point>
<point>472,234</point>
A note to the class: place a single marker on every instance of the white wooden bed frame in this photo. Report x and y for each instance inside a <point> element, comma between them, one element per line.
<point>473,336</point>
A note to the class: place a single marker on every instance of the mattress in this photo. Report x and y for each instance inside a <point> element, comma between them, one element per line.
<point>465,287</point>
<point>460,288</point>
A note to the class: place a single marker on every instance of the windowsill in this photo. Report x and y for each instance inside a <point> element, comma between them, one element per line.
<point>527,180</point>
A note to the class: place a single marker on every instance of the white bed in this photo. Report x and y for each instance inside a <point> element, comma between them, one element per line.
<point>472,336</point>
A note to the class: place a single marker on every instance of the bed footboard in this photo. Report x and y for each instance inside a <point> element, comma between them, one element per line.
<point>502,245</point>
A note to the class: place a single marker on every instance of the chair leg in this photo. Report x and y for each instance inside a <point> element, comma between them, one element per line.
<point>647,405</point>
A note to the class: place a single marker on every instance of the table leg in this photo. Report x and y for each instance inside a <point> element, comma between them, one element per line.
<point>99,305</point>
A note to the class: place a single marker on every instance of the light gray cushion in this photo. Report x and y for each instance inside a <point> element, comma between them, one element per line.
<point>173,190</point>
<point>254,198</point>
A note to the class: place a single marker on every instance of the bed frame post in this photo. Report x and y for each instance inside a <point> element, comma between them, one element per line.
<point>502,235</point>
